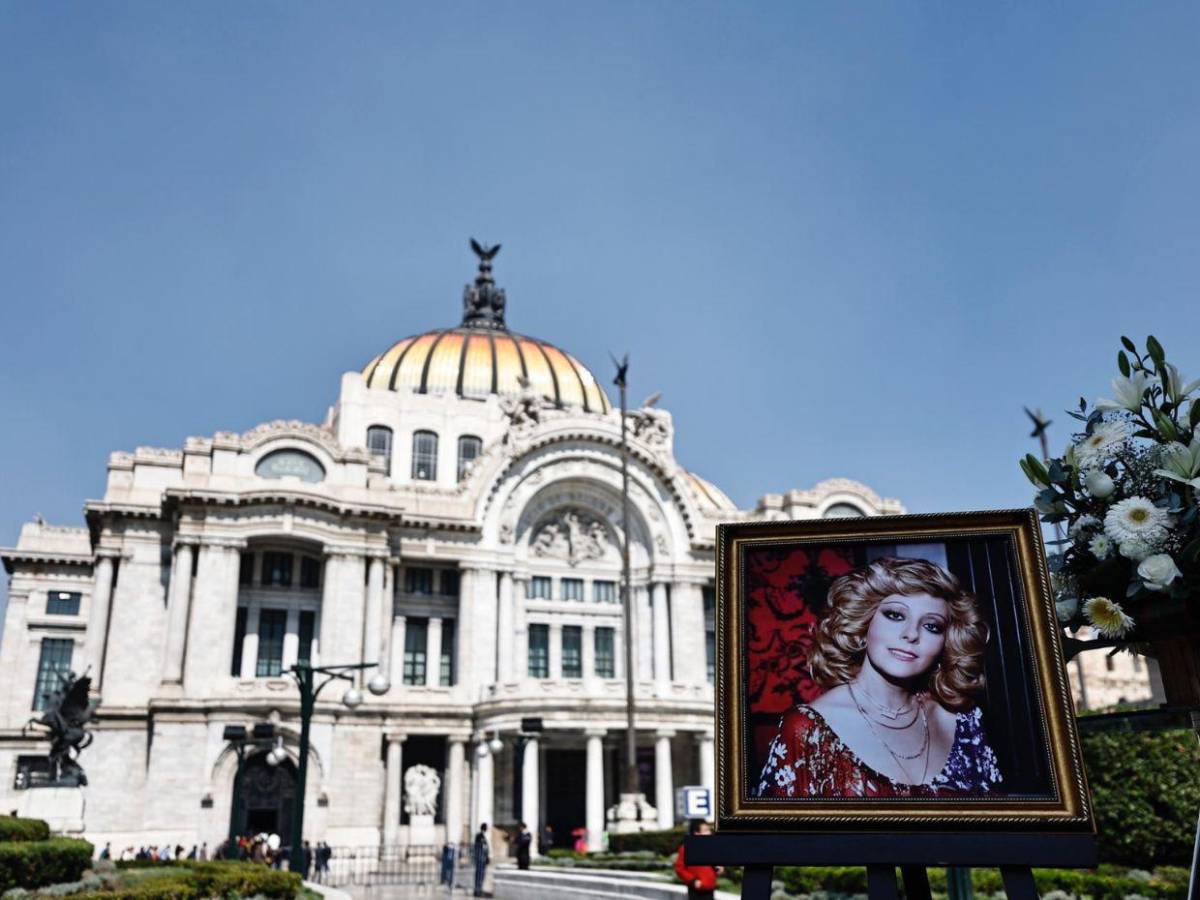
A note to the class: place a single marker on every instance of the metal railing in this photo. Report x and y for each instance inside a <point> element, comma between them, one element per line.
<point>413,865</point>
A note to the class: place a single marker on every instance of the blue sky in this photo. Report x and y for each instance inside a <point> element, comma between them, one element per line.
<point>842,240</point>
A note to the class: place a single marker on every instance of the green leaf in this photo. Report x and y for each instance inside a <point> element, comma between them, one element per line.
<point>1129,345</point>
<point>1191,553</point>
<point>1123,363</point>
<point>1038,469</point>
<point>1194,415</point>
<point>1082,405</point>
<point>1058,475</point>
<point>1154,348</point>
<point>1165,425</point>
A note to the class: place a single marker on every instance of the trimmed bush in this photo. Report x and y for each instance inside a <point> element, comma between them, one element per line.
<point>31,864</point>
<point>13,828</point>
<point>664,843</point>
<point>191,880</point>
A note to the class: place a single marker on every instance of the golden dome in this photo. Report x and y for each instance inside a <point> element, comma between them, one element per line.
<point>483,357</point>
<point>474,363</point>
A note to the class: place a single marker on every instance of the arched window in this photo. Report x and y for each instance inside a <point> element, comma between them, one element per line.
<point>469,448</point>
<point>379,442</point>
<point>424,456</point>
<point>844,511</point>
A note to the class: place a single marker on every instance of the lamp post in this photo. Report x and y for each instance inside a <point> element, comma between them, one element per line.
<point>263,733</point>
<point>306,677</point>
<point>631,770</point>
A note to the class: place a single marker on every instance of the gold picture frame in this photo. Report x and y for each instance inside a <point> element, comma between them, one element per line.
<point>1011,538</point>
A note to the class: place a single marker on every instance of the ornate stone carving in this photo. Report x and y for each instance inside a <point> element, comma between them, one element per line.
<point>524,413</point>
<point>573,536</point>
<point>421,787</point>
<point>507,532</point>
<point>651,427</point>
<point>293,427</point>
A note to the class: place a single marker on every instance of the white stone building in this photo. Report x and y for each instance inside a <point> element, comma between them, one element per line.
<point>457,518</point>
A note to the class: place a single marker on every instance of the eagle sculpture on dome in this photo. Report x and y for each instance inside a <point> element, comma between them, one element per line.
<point>483,302</point>
<point>485,253</point>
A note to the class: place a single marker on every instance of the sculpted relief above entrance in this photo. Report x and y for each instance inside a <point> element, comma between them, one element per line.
<point>572,535</point>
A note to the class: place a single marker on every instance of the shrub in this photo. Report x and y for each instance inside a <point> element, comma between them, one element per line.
<point>31,864</point>
<point>13,828</point>
<point>663,843</point>
<point>1146,792</point>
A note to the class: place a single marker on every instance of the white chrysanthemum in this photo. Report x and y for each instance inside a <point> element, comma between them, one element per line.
<point>1098,446</point>
<point>1082,524</point>
<point>1101,546</point>
<point>1107,617</point>
<point>1136,519</point>
<point>1098,483</point>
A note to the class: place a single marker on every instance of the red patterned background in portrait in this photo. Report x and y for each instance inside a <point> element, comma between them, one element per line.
<point>785,595</point>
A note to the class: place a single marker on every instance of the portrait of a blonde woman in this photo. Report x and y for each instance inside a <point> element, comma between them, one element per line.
<point>899,656</point>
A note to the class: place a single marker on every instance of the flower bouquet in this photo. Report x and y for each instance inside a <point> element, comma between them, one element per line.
<point>1126,490</point>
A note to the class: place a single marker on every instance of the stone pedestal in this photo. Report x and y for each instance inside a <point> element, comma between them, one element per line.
<point>632,813</point>
<point>62,808</point>
<point>421,832</point>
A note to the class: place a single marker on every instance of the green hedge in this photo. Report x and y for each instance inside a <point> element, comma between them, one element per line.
<point>190,880</point>
<point>16,829</point>
<point>660,842</point>
<point>31,864</point>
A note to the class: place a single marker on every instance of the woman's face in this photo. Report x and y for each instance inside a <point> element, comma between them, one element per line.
<point>906,635</point>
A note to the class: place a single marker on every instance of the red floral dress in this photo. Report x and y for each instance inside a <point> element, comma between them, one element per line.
<point>808,759</point>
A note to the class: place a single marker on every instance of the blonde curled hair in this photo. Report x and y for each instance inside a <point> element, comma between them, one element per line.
<point>839,643</point>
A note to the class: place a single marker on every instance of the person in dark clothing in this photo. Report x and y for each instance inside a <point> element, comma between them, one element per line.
<point>701,881</point>
<point>524,844</point>
<point>306,858</point>
<point>482,854</point>
<point>546,843</point>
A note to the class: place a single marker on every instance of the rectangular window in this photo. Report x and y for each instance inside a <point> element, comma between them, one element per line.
<point>539,587</point>
<point>310,572</point>
<point>55,661</point>
<point>424,456</point>
<point>379,442</point>
<point>272,625</point>
<point>572,588</point>
<point>606,662</point>
<point>277,570</point>
<point>415,643</point>
<point>604,591</point>
<point>239,635</point>
<point>710,632</point>
<point>418,581</point>
<point>572,651</point>
<point>246,570</point>
<point>449,582</point>
<point>62,603</point>
<point>308,628</point>
<point>468,451</point>
<point>446,672</point>
<point>539,651</point>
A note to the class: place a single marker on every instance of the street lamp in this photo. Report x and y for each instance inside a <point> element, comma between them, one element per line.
<point>306,676</point>
<point>236,735</point>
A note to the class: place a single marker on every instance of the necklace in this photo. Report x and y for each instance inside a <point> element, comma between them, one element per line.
<point>889,712</point>
<point>897,757</point>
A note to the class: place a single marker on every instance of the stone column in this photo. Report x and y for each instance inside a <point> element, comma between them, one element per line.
<point>291,639</point>
<point>556,650</point>
<point>391,789</point>
<point>343,606</point>
<point>387,615</point>
<point>397,661</point>
<point>213,617</point>
<point>520,642</point>
<point>594,817</point>
<point>178,598</point>
<point>483,613</point>
<point>454,791</point>
<point>664,793</point>
<point>433,652</point>
<point>97,629</point>
<point>643,631</point>
<point>589,652</point>
<point>484,791</point>
<point>530,792</point>
<point>704,742</point>
<point>373,639</point>
<point>662,638</point>
<point>504,630</point>
<point>687,631</point>
<point>464,649</point>
<point>330,611</point>
<point>250,644</point>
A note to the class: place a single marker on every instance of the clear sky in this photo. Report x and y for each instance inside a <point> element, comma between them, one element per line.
<point>842,239</point>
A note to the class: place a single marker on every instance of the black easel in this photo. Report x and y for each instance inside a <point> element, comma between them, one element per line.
<point>1014,854</point>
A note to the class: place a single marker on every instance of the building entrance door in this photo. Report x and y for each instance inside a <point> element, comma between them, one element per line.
<point>566,794</point>
<point>267,796</point>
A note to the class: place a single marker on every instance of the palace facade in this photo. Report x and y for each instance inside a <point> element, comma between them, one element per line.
<point>457,518</point>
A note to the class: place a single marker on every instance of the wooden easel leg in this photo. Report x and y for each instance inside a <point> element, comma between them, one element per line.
<point>881,883</point>
<point>756,882</point>
<point>916,882</point>
<point>1018,882</point>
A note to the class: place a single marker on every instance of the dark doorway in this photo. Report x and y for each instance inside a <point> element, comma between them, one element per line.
<point>566,793</point>
<point>267,796</point>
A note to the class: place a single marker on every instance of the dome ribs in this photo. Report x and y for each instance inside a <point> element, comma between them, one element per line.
<point>492,343</point>
<point>553,375</point>
<point>462,365</point>
<point>587,407</point>
<point>428,359</point>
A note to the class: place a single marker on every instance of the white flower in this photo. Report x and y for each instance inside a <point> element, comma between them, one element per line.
<point>1097,447</point>
<point>1174,385</point>
<point>1098,483</point>
<point>1158,571</point>
<point>1181,463</point>
<point>1136,519</point>
<point>1101,546</point>
<point>1136,550</point>
<point>1129,393</point>
<point>1107,617</point>
<point>1066,608</point>
<point>1082,524</point>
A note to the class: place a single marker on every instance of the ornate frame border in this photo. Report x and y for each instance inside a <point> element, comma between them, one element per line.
<point>1069,810</point>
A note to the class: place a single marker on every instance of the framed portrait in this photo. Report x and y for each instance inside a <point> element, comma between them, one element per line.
<point>894,671</point>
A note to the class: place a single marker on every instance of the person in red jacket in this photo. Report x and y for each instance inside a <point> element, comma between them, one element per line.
<point>701,881</point>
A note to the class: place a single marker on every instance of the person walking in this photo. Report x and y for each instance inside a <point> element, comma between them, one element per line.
<point>482,854</point>
<point>306,855</point>
<point>524,844</point>
<point>701,881</point>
